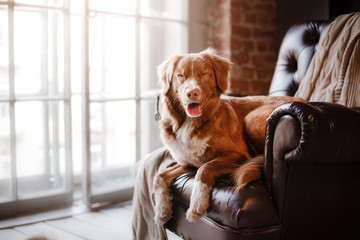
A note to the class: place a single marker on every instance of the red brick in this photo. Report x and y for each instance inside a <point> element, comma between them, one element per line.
<point>261,33</point>
<point>246,31</point>
<point>223,30</point>
<point>249,45</point>
<point>264,74</point>
<point>241,31</point>
<point>261,46</point>
<point>268,8</point>
<point>237,45</point>
<point>241,5</point>
<point>259,60</point>
<point>239,87</point>
<point>244,72</point>
<point>250,18</point>
<point>242,45</point>
<point>259,88</point>
<point>240,57</point>
<point>237,16</point>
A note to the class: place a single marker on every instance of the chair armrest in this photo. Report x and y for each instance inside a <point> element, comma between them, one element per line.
<point>312,161</point>
<point>329,133</point>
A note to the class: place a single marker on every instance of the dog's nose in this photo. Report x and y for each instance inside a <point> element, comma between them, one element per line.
<point>193,94</point>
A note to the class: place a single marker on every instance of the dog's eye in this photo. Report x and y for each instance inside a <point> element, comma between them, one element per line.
<point>205,73</point>
<point>180,75</point>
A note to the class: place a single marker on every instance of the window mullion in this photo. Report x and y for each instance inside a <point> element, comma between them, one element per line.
<point>45,89</point>
<point>14,183</point>
<point>55,104</point>
<point>85,103</point>
<point>67,101</point>
<point>103,93</point>
<point>137,80</point>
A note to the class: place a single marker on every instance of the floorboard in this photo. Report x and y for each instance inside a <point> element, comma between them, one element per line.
<point>83,230</point>
<point>11,234</point>
<point>46,230</point>
<point>111,223</point>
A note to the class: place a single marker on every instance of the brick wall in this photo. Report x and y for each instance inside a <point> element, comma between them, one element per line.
<point>245,31</point>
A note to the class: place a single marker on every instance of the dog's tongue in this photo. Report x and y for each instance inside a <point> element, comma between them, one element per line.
<point>194,109</point>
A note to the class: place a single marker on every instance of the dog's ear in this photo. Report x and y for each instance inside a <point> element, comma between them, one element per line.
<point>221,68</point>
<point>165,72</point>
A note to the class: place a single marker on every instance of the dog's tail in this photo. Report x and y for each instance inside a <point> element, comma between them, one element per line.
<point>248,171</point>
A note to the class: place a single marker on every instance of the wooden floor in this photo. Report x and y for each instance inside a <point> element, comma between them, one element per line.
<point>109,223</point>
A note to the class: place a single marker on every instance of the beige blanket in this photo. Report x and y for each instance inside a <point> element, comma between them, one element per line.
<point>334,72</point>
<point>143,225</point>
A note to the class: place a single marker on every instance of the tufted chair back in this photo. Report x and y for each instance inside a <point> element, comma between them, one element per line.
<point>296,51</point>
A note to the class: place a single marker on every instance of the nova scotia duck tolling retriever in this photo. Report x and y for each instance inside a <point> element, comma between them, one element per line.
<point>202,128</point>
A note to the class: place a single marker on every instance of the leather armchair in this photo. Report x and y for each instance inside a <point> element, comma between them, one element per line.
<point>310,187</point>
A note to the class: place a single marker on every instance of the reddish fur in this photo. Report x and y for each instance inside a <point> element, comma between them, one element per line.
<point>235,126</point>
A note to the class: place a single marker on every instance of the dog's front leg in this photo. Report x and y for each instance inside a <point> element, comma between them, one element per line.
<point>199,201</point>
<point>161,192</point>
<point>204,181</point>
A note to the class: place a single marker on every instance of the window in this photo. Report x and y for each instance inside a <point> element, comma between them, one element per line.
<point>35,136</point>
<point>78,92</point>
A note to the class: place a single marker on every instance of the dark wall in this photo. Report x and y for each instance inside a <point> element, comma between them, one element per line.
<point>297,11</point>
<point>345,6</point>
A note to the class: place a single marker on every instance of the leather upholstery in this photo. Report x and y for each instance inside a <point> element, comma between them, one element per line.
<point>240,209</point>
<point>310,184</point>
<point>296,51</point>
<point>312,164</point>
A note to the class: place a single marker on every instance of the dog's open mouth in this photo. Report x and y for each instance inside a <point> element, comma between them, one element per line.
<point>195,109</point>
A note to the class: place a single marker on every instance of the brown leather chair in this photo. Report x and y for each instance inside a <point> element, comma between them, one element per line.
<point>310,187</point>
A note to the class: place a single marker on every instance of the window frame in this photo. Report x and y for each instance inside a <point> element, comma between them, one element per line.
<point>53,198</point>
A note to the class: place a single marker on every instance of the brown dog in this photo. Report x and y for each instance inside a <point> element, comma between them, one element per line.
<point>216,134</point>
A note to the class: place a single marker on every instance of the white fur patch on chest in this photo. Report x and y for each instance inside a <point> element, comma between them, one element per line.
<point>188,150</point>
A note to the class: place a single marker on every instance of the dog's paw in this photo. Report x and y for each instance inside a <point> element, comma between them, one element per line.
<point>199,201</point>
<point>162,214</point>
<point>162,199</point>
<point>193,215</point>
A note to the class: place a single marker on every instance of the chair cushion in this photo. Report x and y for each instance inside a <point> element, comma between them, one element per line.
<point>250,207</point>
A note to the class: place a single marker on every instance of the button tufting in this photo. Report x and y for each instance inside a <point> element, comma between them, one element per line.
<point>311,35</point>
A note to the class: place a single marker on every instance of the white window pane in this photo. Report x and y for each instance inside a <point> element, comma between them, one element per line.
<point>174,9</point>
<point>57,151</point>
<point>76,115</point>
<point>4,53</point>
<point>159,40</point>
<point>75,7</point>
<point>38,52</point>
<point>119,6</point>
<point>112,127</point>
<point>113,145</point>
<point>30,138</point>
<point>55,52</point>
<point>112,56</point>
<point>5,153</point>
<point>55,3</point>
<point>28,51</point>
<point>40,147</point>
<point>75,38</point>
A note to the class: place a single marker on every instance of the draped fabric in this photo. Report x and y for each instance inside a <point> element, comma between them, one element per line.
<point>334,72</point>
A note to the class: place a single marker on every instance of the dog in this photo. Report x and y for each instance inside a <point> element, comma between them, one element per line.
<point>203,128</point>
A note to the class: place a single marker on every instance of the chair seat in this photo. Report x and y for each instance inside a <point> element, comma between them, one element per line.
<point>249,208</point>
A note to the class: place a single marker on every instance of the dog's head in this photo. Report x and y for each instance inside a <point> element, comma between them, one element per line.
<point>195,80</point>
